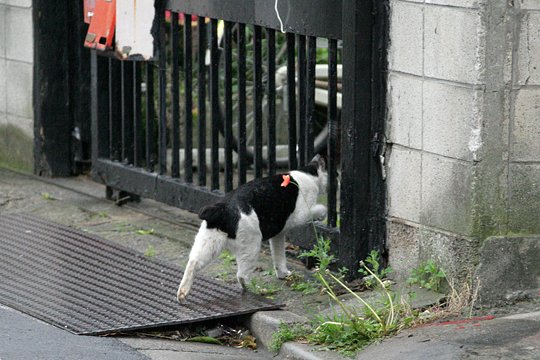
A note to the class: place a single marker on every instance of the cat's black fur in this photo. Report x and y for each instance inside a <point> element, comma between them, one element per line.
<point>272,203</point>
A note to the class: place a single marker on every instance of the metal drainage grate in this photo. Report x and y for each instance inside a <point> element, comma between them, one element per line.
<point>88,285</point>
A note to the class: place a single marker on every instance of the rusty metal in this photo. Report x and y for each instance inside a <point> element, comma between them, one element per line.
<point>88,285</point>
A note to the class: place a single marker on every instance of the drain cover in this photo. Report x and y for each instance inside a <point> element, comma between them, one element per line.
<point>87,285</point>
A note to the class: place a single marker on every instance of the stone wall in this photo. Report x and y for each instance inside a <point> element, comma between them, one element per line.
<point>464,128</point>
<point>16,72</point>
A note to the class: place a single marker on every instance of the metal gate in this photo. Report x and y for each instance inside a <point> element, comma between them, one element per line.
<point>231,98</point>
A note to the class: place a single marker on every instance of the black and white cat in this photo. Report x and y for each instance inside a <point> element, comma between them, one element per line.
<point>262,209</point>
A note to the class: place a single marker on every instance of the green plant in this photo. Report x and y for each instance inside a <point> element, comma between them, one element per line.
<point>264,288</point>
<point>150,251</point>
<point>427,275</point>
<point>227,258</point>
<point>227,261</point>
<point>353,327</point>
<point>145,231</point>
<point>321,253</point>
<point>288,332</point>
<point>47,196</point>
<point>306,287</point>
<point>373,259</point>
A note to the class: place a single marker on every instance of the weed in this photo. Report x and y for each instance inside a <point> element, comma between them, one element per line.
<point>99,215</point>
<point>427,275</point>
<point>150,251</point>
<point>47,196</point>
<point>373,259</point>
<point>353,327</point>
<point>321,254</point>
<point>228,259</point>
<point>145,231</point>
<point>263,288</point>
<point>288,332</point>
<point>298,283</point>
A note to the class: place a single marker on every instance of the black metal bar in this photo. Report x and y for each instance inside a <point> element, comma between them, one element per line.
<point>188,94</point>
<point>214,100</point>
<point>310,97</point>
<point>258,95</point>
<point>127,112</point>
<point>201,100</point>
<point>291,99</point>
<point>99,67</point>
<point>175,92</point>
<point>332,132</point>
<point>242,146</point>
<point>271,95</point>
<point>302,100</point>
<point>138,147</point>
<point>228,108</point>
<point>355,136</point>
<point>115,110</point>
<point>163,188</point>
<point>297,19</point>
<point>162,128</point>
<point>150,118</point>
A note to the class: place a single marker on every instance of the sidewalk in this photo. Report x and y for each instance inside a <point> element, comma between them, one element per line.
<point>167,233</point>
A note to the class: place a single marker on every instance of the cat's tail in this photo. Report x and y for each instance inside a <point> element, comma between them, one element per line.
<point>207,246</point>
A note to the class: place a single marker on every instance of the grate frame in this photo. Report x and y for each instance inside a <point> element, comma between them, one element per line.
<point>88,285</point>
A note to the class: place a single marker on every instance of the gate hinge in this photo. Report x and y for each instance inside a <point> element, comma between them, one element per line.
<point>378,151</point>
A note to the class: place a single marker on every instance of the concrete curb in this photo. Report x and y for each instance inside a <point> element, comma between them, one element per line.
<point>263,324</point>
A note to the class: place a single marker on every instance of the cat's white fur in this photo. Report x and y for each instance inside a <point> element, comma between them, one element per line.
<point>210,242</point>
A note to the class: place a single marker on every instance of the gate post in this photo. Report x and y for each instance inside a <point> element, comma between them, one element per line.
<point>357,22</point>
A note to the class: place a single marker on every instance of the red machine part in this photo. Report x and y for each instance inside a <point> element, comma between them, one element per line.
<point>89,6</point>
<point>102,24</point>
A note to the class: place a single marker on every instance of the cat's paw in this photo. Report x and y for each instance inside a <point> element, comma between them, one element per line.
<point>318,212</point>
<point>181,295</point>
<point>282,274</point>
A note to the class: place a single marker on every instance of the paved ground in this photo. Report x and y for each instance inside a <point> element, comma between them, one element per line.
<point>168,232</point>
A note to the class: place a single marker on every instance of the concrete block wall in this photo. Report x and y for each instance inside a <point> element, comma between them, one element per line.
<point>463,124</point>
<point>16,77</point>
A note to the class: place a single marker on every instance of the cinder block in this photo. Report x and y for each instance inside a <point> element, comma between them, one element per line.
<point>19,3</point>
<point>524,202</point>
<point>3,105</point>
<point>529,50</point>
<point>458,3</point>
<point>405,110</point>
<point>403,181</point>
<point>19,89</point>
<point>526,127</point>
<point>406,34</point>
<point>2,31</point>
<point>25,124</point>
<point>530,4</point>
<point>446,194</point>
<point>454,44</point>
<point>403,243</point>
<point>19,34</point>
<point>509,269</point>
<point>452,120</point>
<point>453,253</point>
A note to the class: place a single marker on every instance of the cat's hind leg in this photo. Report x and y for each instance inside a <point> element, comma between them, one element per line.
<point>247,247</point>
<point>277,248</point>
<point>207,246</point>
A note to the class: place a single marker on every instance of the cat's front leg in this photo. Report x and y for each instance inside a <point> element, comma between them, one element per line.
<point>318,212</point>
<point>277,249</point>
